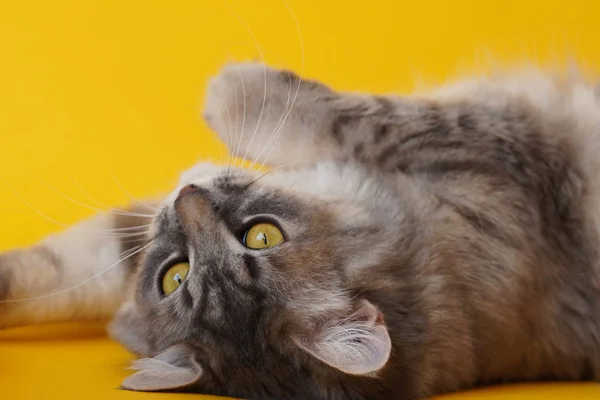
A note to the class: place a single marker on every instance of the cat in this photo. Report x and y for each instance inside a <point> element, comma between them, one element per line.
<point>399,248</point>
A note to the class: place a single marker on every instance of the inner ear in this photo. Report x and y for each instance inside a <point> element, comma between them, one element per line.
<point>357,344</point>
<point>175,368</point>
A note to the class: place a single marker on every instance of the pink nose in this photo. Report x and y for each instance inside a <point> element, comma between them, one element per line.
<point>188,189</point>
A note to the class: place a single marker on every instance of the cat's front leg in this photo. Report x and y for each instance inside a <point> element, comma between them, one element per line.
<point>277,118</point>
<point>82,273</point>
<point>270,116</point>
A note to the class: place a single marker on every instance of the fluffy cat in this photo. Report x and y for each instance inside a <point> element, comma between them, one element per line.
<point>401,247</point>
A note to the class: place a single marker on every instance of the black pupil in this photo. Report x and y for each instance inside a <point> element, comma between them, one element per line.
<point>262,237</point>
<point>177,278</point>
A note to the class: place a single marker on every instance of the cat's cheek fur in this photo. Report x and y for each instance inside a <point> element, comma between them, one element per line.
<point>130,330</point>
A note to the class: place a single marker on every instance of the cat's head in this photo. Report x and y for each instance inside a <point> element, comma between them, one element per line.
<point>251,281</point>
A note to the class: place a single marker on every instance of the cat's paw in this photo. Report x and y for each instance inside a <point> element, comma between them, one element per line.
<point>266,115</point>
<point>240,99</point>
<point>247,103</point>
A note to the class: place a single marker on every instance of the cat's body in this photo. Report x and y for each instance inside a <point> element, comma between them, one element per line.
<point>440,242</point>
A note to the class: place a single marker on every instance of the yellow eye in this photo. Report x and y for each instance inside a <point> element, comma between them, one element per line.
<point>174,277</point>
<point>263,236</point>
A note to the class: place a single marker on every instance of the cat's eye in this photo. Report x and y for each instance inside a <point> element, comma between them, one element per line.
<point>174,277</point>
<point>262,236</point>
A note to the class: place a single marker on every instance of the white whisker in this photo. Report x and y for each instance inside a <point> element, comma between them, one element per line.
<point>131,228</point>
<point>280,167</point>
<point>229,140</point>
<point>79,203</point>
<point>144,238</point>
<point>107,232</point>
<point>89,196</point>
<point>132,197</point>
<point>221,108</point>
<point>237,117</point>
<point>244,115</point>
<point>262,109</point>
<point>273,135</point>
<point>110,209</point>
<point>262,57</point>
<point>299,81</point>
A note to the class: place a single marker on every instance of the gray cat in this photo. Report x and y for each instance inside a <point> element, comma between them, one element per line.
<point>402,247</point>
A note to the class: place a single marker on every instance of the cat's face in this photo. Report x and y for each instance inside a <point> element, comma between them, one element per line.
<point>246,285</point>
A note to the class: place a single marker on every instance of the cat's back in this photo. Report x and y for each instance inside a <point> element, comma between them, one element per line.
<point>513,160</point>
<point>539,137</point>
<point>541,133</point>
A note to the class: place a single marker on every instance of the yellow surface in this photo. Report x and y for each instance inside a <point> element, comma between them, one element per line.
<point>100,99</point>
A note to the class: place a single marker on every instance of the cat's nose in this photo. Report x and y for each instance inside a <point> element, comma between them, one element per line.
<point>194,208</point>
<point>188,189</point>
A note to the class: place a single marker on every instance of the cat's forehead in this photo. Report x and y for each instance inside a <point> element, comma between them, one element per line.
<point>209,176</point>
<point>236,196</point>
<point>221,182</point>
<point>242,191</point>
<point>203,174</point>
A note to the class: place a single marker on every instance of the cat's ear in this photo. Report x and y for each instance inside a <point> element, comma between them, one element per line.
<point>357,344</point>
<point>175,368</point>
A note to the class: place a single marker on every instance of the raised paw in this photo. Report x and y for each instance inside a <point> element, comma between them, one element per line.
<point>247,97</point>
<point>250,105</point>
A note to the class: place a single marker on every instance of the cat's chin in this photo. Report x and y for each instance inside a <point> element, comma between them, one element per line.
<point>126,328</point>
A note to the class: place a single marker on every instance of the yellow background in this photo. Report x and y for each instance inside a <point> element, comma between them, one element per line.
<point>100,100</point>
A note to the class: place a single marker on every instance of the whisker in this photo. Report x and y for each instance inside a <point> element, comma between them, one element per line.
<point>89,196</point>
<point>300,38</point>
<point>144,238</point>
<point>262,108</point>
<point>124,256</point>
<point>275,169</point>
<point>108,232</point>
<point>273,135</point>
<point>131,228</point>
<point>244,115</point>
<point>262,57</point>
<point>132,197</point>
<point>229,139</point>
<point>110,211</point>
<point>237,116</point>
<point>221,110</point>
<point>231,159</point>
<point>110,208</point>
